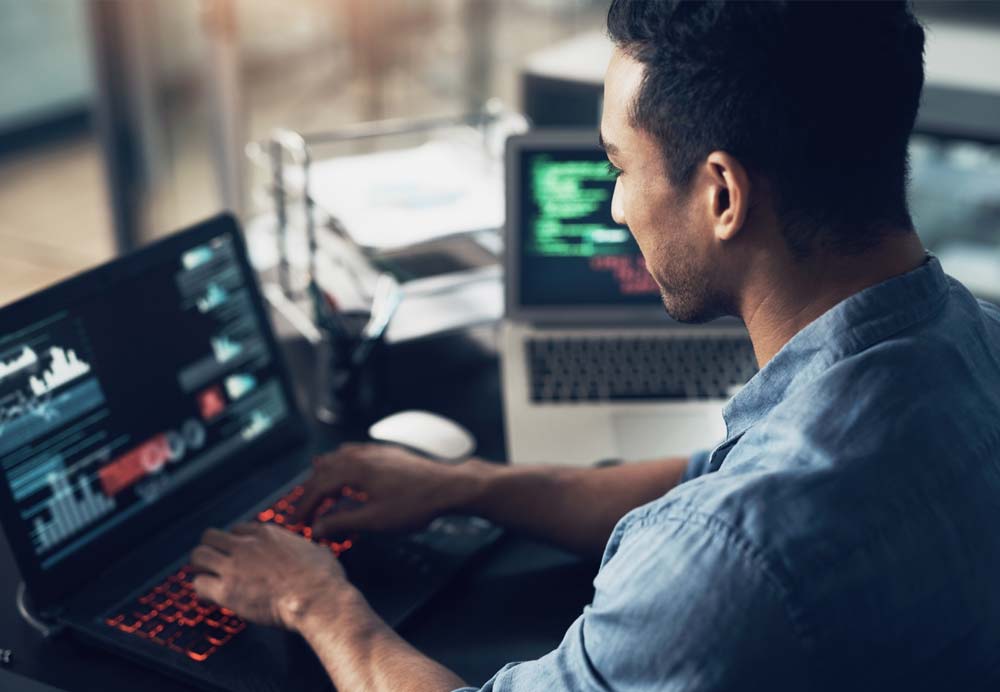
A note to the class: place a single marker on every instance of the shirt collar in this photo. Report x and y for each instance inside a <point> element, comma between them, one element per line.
<point>849,327</point>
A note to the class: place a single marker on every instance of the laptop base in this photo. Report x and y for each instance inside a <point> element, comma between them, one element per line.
<point>583,432</point>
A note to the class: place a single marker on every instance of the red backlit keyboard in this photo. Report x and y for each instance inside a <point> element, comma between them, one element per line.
<point>170,613</point>
<point>283,508</point>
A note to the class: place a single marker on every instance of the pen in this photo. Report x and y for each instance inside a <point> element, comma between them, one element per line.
<point>384,303</point>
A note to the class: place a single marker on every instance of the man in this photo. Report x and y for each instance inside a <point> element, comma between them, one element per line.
<point>845,532</point>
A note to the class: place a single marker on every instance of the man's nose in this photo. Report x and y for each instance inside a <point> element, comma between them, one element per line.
<point>617,208</point>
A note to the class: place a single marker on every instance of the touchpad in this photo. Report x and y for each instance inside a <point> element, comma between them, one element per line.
<point>656,435</point>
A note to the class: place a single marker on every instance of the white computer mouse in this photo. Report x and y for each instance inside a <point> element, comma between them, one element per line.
<point>427,433</point>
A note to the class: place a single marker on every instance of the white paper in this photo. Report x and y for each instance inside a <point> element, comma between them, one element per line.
<point>398,198</point>
<point>447,303</point>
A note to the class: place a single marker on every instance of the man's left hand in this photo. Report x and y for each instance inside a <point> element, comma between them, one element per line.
<point>264,573</point>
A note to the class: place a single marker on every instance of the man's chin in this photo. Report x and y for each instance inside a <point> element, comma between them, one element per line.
<point>690,312</point>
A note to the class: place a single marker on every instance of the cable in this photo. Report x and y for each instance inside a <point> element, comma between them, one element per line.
<point>43,628</point>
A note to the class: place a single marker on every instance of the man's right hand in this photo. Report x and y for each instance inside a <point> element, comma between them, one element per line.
<point>575,508</point>
<point>404,491</point>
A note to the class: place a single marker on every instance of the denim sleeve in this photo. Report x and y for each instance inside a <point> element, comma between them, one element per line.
<point>682,605</point>
<point>697,465</point>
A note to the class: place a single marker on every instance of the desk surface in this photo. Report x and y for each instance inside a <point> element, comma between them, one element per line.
<point>514,604</point>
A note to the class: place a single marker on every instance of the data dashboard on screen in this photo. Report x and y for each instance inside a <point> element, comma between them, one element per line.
<point>111,403</point>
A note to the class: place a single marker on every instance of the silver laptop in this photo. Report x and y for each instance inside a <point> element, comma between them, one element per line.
<point>593,368</point>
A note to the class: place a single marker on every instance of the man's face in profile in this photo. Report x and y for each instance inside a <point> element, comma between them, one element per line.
<point>675,241</point>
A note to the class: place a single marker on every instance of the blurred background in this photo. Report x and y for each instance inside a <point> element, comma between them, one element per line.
<point>124,120</point>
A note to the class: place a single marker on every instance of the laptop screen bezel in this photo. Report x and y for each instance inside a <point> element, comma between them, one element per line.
<point>558,140</point>
<point>48,587</point>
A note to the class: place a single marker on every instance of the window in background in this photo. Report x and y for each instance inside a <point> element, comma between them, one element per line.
<point>200,79</point>
<point>317,66</point>
<point>955,202</point>
<point>53,202</point>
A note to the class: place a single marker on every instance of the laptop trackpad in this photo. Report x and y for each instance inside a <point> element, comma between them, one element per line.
<point>655,435</point>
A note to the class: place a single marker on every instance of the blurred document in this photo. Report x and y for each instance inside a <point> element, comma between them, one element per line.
<point>448,303</point>
<point>403,197</point>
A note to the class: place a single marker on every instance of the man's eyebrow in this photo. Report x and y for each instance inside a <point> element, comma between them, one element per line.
<point>608,147</point>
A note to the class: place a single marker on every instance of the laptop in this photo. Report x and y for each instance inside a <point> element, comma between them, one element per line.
<point>142,402</point>
<point>593,368</point>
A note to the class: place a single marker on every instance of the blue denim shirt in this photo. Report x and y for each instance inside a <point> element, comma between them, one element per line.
<point>846,535</point>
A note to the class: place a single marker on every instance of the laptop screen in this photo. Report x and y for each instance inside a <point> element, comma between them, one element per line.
<point>118,394</point>
<point>572,251</point>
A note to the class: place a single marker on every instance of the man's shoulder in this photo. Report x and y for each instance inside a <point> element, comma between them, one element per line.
<point>990,309</point>
<point>921,386</point>
<point>856,504</point>
<point>908,416</point>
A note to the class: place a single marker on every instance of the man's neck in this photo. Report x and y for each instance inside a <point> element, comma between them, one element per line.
<point>797,292</point>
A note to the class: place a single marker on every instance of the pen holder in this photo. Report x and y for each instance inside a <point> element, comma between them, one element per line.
<point>347,373</point>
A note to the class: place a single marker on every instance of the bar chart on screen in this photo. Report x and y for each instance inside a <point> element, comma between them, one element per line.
<point>71,506</point>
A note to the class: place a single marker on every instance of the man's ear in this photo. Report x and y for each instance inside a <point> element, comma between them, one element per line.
<point>728,194</point>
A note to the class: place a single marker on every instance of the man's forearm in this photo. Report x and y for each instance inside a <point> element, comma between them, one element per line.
<point>575,508</point>
<point>361,652</point>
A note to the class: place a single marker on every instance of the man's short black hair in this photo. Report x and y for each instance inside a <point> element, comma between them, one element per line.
<point>818,97</point>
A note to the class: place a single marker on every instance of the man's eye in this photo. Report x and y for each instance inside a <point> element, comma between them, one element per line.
<point>613,170</point>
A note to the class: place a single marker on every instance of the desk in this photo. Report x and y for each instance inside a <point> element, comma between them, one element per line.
<point>513,604</point>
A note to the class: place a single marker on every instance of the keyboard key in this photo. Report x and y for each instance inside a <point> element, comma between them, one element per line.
<point>191,617</point>
<point>130,623</point>
<point>170,613</point>
<point>143,612</point>
<point>150,628</point>
<point>200,650</point>
<point>167,634</point>
<point>232,624</point>
<point>217,635</point>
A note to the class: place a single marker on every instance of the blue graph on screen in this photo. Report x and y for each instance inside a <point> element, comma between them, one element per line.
<point>42,387</point>
<point>72,504</point>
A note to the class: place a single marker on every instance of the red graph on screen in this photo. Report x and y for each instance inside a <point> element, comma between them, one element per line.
<point>629,272</point>
<point>134,465</point>
<point>211,402</point>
